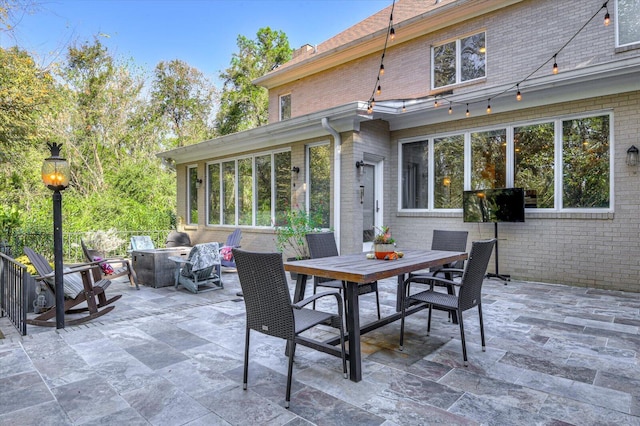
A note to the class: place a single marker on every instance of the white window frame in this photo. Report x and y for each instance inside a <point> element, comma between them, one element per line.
<point>280,115</point>
<point>510,164</point>
<point>458,61</point>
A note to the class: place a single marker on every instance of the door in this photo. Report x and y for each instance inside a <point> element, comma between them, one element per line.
<point>371,195</point>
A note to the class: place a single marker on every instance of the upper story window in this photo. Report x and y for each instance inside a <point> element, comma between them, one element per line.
<point>628,22</point>
<point>285,106</point>
<point>563,165</point>
<point>458,61</point>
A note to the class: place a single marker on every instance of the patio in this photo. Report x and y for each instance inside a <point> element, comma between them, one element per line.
<point>555,355</point>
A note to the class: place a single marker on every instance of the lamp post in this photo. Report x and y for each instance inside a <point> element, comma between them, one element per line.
<point>55,175</point>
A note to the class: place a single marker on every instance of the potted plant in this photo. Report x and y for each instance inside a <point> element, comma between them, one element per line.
<point>291,237</point>
<point>383,243</point>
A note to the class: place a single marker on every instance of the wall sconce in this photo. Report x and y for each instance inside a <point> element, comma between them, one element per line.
<point>360,166</point>
<point>198,183</point>
<point>361,194</point>
<point>632,156</point>
<point>296,170</point>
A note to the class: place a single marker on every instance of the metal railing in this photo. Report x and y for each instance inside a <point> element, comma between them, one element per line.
<point>14,284</point>
<point>42,242</point>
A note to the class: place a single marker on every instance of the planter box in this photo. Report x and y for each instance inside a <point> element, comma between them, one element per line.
<point>153,266</point>
<point>382,250</point>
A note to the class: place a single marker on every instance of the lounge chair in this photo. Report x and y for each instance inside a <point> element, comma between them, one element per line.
<point>78,288</point>
<point>226,255</point>
<point>119,266</point>
<point>200,271</point>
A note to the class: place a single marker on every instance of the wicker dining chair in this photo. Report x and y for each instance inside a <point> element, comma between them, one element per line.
<point>270,311</point>
<point>323,244</point>
<point>469,293</point>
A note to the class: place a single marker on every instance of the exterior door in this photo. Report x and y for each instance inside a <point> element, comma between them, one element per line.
<point>371,194</point>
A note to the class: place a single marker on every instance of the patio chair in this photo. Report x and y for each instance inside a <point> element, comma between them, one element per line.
<point>200,271</point>
<point>226,254</point>
<point>448,241</point>
<point>178,239</point>
<point>323,244</point>
<point>78,288</point>
<point>142,242</point>
<point>469,293</point>
<point>119,266</point>
<point>269,309</point>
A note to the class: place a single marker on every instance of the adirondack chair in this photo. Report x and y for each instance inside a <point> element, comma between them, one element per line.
<point>226,255</point>
<point>119,266</point>
<point>200,271</point>
<point>79,288</point>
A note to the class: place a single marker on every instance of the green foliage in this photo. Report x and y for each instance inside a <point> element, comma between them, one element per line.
<point>10,219</point>
<point>291,237</point>
<point>243,105</point>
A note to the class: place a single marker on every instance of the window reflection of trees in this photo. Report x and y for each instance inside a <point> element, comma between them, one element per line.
<point>444,64</point>
<point>263,190</point>
<point>193,196</point>
<point>320,183</point>
<point>245,191</point>
<point>282,162</point>
<point>448,170</point>
<point>585,157</point>
<point>229,192</point>
<point>534,163</point>
<point>472,57</point>
<point>214,194</point>
<point>488,159</point>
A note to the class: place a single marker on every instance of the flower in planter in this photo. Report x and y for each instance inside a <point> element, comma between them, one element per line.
<point>384,236</point>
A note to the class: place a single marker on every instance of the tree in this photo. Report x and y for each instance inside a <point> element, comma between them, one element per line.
<point>243,105</point>
<point>184,99</point>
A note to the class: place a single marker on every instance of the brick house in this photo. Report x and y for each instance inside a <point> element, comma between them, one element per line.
<point>407,162</point>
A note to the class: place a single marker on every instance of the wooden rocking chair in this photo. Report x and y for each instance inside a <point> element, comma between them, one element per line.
<point>120,265</point>
<point>77,289</point>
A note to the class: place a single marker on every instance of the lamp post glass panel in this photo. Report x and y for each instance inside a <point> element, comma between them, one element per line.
<point>55,175</point>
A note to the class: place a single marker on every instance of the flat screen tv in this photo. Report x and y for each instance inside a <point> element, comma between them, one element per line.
<point>493,205</point>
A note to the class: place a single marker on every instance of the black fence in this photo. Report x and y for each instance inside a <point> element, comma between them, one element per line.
<point>15,286</point>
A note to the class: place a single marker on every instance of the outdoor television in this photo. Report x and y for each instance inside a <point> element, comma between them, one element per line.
<point>493,205</point>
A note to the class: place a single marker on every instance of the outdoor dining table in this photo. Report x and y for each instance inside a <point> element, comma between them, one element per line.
<point>357,269</point>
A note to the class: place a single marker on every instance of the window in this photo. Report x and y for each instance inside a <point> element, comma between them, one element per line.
<point>458,61</point>
<point>213,173</point>
<point>285,107</point>
<point>562,164</point>
<point>192,195</point>
<point>257,188</point>
<point>628,22</point>
<point>319,182</point>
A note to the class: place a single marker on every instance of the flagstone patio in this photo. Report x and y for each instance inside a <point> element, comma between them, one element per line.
<point>555,355</point>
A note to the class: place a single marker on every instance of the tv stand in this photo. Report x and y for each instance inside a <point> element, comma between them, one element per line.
<point>497,274</point>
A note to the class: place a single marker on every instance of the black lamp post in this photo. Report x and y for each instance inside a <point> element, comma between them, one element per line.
<point>55,175</point>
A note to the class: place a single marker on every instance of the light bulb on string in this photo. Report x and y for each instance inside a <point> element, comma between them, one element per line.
<point>403,107</point>
<point>379,90</point>
<point>518,95</point>
<point>467,113</point>
<point>373,102</point>
<point>607,17</point>
<point>381,69</point>
<point>489,106</point>
<point>392,34</point>
<point>435,103</point>
<point>555,64</point>
<point>450,109</point>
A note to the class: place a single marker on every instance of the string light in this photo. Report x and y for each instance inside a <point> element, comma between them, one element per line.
<point>467,113</point>
<point>607,18</point>
<point>379,90</point>
<point>489,106</point>
<point>373,102</point>
<point>450,109</point>
<point>382,68</point>
<point>555,64</point>
<point>435,103</point>
<point>392,34</point>
<point>403,107</point>
<point>518,95</point>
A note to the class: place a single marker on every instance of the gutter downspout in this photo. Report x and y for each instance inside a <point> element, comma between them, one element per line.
<point>337,148</point>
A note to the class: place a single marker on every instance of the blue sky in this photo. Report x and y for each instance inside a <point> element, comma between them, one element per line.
<point>201,32</point>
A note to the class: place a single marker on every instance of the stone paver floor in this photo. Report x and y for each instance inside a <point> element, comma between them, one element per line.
<point>555,355</point>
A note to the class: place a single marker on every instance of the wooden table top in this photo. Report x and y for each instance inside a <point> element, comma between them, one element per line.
<point>357,268</point>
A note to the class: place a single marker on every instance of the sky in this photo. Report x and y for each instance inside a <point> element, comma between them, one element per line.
<point>202,33</point>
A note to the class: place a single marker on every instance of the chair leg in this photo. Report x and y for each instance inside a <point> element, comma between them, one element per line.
<point>289,374</point>
<point>378,302</point>
<point>403,305</point>
<point>314,293</point>
<point>484,347</point>
<point>429,320</point>
<point>343,349</point>
<point>464,344</point>
<point>246,360</point>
